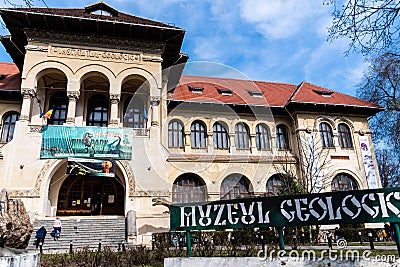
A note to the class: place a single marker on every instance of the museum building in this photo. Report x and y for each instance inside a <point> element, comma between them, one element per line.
<point>97,119</point>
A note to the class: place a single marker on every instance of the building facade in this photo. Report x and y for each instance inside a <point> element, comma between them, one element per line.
<point>114,75</point>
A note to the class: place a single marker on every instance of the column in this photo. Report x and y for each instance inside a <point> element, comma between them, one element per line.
<point>187,140</point>
<point>155,116</point>
<point>253,145</point>
<point>210,142</point>
<point>27,95</point>
<point>73,96</point>
<point>114,109</point>
<point>232,142</point>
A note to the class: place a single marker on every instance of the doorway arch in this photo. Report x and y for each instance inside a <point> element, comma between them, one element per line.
<point>91,195</point>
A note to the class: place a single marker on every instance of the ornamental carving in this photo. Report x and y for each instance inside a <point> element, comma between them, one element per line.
<point>73,95</point>
<point>23,117</point>
<point>115,98</point>
<point>70,120</point>
<point>155,101</point>
<point>130,177</point>
<point>152,58</point>
<point>91,54</point>
<point>100,41</point>
<point>35,128</point>
<point>141,132</point>
<point>36,48</point>
<point>28,93</point>
<point>42,176</point>
<point>114,122</point>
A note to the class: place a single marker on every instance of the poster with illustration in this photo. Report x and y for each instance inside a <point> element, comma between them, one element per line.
<point>86,142</point>
<point>368,162</point>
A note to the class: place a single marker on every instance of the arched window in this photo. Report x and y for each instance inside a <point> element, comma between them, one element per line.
<point>242,138</point>
<point>344,136</point>
<point>97,111</point>
<point>135,114</point>
<point>235,186</point>
<point>198,135</point>
<point>262,137</point>
<point>274,185</point>
<point>344,182</point>
<point>220,136</point>
<point>188,188</point>
<point>325,132</point>
<point>9,120</point>
<point>282,138</point>
<point>59,103</point>
<point>175,134</point>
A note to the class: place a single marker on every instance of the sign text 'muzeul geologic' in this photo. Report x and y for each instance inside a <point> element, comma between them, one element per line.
<point>361,206</point>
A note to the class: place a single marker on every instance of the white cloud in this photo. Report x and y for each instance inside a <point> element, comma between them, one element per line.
<point>279,19</point>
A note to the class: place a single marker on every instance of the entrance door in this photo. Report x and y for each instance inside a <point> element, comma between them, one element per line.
<point>85,195</point>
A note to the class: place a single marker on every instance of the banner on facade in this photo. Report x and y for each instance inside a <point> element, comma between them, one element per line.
<point>368,162</point>
<point>91,167</point>
<point>86,142</point>
<point>361,206</point>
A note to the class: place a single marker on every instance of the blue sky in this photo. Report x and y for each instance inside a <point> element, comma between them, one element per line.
<point>275,40</point>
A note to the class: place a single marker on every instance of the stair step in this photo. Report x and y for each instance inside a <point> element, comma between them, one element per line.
<point>83,233</point>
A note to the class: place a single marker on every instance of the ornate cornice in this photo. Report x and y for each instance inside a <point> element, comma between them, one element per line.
<point>98,41</point>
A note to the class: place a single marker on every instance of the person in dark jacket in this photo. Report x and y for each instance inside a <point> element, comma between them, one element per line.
<point>40,235</point>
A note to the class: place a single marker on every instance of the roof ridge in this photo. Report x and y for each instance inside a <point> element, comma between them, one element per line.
<point>41,10</point>
<point>237,79</point>
<point>294,93</point>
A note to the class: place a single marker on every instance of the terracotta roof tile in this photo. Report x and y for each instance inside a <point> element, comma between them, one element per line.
<point>10,77</point>
<point>310,93</point>
<point>274,94</point>
<point>81,13</point>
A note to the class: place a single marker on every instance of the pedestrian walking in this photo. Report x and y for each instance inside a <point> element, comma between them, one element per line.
<point>40,236</point>
<point>329,237</point>
<point>57,228</point>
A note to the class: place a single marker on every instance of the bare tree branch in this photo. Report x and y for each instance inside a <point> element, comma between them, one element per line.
<point>370,25</point>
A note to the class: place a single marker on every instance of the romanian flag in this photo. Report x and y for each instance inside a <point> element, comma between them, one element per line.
<point>48,114</point>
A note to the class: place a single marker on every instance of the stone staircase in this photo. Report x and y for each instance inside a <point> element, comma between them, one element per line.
<point>83,231</point>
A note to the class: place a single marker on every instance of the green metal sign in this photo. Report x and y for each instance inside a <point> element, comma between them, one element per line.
<point>361,206</point>
<point>86,142</point>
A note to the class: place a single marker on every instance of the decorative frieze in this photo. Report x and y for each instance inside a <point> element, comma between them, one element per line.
<point>91,54</point>
<point>106,42</point>
<point>36,48</point>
